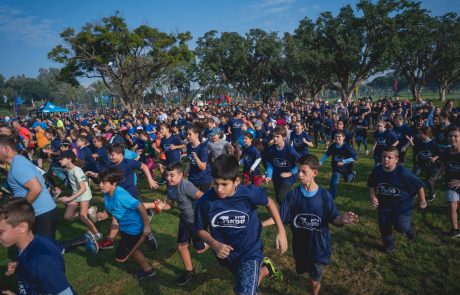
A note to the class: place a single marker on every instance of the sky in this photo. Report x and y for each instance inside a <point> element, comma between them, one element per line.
<point>29,29</point>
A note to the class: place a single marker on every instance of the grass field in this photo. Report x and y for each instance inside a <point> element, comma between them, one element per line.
<point>427,265</point>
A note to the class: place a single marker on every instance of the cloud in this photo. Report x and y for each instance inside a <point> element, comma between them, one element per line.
<point>266,3</point>
<point>18,25</point>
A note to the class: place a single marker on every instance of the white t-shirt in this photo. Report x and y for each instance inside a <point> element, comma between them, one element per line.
<point>76,175</point>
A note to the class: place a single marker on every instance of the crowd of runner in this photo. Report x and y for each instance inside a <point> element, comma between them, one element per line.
<point>197,152</point>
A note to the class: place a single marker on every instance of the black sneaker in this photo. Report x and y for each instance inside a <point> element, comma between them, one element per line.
<point>454,233</point>
<point>142,275</point>
<point>151,240</point>
<point>185,278</point>
<point>431,198</point>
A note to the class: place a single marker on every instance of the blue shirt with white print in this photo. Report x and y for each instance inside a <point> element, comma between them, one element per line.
<point>234,221</point>
<point>282,160</point>
<point>395,190</point>
<point>339,154</point>
<point>196,175</point>
<point>308,217</point>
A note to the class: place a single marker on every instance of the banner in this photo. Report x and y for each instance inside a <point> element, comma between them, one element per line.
<point>395,85</point>
<point>356,91</point>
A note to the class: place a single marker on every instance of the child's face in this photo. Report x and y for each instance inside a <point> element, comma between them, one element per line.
<point>9,234</point>
<point>389,160</point>
<point>97,143</point>
<point>380,127</point>
<point>225,187</point>
<point>339,138</point>
<point>173,177</point>
<point>116,157</point>
<point>247,141</point>
<point>164,131</point>
<point>278,139</point>
<point>64,162</point>
<point>192,135</point>
<point>306,174</point>
<point>80,143</point>
<point>454,138</point>
<point>216,138</point>
<point>107,187</point>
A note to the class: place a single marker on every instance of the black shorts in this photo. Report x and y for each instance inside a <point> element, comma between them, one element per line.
<point>126,245</point>
<point>187,234</point>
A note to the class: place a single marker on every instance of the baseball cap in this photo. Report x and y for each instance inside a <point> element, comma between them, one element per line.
<point>213,132</point>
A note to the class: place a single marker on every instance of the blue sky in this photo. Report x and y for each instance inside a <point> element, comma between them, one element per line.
<point>29,29</point>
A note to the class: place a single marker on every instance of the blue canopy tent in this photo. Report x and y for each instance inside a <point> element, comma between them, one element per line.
<point>50,108</point>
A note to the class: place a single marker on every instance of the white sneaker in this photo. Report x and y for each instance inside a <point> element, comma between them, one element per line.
<point>92,213</point>
<point>367,152</point>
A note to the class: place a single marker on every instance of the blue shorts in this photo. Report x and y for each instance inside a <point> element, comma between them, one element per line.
<point>186,234</point>
<point>452,195</point>
<point>247,277</point>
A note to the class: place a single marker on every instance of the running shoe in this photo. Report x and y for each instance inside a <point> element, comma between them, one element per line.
<point>106,244</point>
<point>91,243</point>
<point>142,275</point>
<point>92,213</point>
<point>185,278</point>
<point>272,271</point>
<point>151,240</point>
<point>454,233</point>
<point>431,198</point>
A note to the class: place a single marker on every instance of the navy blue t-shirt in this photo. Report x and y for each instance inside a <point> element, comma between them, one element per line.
<point>196,175</point>
<point>172,156</point>
<point>297,142</point>
<point>86,155</point>
<point>235,125</point>
<point>128,183</point>
<point>41,268</point>
<point>250,154</point>
<point>425,149</point>
<point>395,190</point>
<point>309,219</point>
<point>283,160</point>
<point>383,140</point>
<point>361,128</point>
<point>103,161</point>
<point>234,221</point>
<point>55,144</point>
<point>401,132</point>
<point>340,153</point>
<point>451,167</point>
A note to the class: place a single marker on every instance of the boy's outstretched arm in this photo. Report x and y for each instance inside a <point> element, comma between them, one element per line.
<point>281,239</point>
<point>152,183</point>
<point>222,250</point>
<point>346,218</point>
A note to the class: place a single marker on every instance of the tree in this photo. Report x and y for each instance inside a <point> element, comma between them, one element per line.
<point>248,64</point>
<point>414,47</point>
<point>304,63</point>
<point>357,47</point>
<point>123,59</point>
<point>445,69</point>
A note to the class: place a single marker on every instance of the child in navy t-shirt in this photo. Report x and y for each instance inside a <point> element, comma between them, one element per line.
<point>300,139</point>
<point>383,138</point>
<point>250,160</point>
<point>226,219</point>
<point>343,155</point>
<point>40,268</point>
<point>281,164</point>
<point>391,189</point>
<point>197,153</point>
<point>309,209</point>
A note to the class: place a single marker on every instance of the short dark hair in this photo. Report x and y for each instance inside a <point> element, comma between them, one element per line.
<point>112,175</point>
<point>225,167</point>
<point>175,166</point>
<point>248,135</point>
<point>117,148</point>
<point>280,130</point>
<point>391,149</point>
<point>17,210</point>
<point>309,160</point>
<point>8,140</point>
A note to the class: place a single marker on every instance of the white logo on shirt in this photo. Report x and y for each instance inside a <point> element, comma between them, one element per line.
<point>387,189</point>
<point>307,221</point>
<point>453,166</point>
<point>280,162</point>
<point>381,141</point>
<point>230,218</point>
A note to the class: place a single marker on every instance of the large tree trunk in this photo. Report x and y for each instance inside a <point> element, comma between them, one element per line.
<point>442,92</point>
